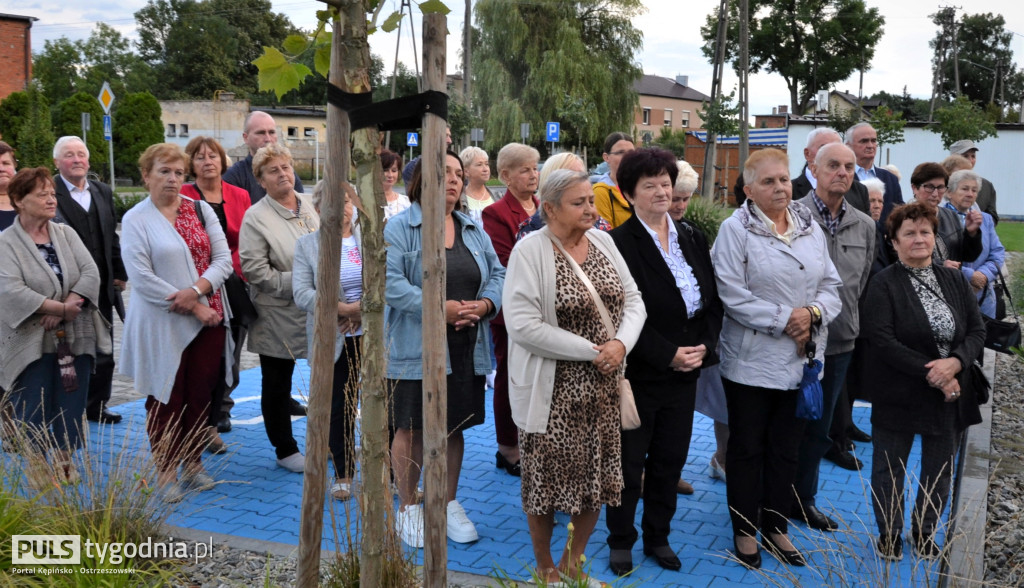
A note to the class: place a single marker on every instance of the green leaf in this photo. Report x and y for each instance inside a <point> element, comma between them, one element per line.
<point>322,59</point>
<point>277,74</point>
<point>434,6</point>
<point>392,22</point>
<point>295,44</point>
<point>326,15</point>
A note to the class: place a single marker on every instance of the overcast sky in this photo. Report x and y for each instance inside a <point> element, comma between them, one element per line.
<point>671,30</point>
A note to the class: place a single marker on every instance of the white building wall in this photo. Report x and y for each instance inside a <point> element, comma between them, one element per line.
<point>999,158</point>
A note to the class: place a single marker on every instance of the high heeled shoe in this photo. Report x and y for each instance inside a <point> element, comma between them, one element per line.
<point>503,463</point>
<point>791,557</point>
<point>750,560</point>
<point>717,470</point>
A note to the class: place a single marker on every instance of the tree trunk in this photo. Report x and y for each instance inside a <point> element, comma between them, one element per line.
<point>435,346</point>
<point>324,331</point>
<point>744,87</point>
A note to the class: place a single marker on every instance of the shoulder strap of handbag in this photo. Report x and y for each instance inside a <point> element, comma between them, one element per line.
<point>601,308</point>
<point>199,211</point>
<point>1006,290</point>
<point>930,289</point>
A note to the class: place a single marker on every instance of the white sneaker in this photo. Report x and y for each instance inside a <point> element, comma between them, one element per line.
<point>409,524</point>
<point>460,528</point>
<point>295,462</point>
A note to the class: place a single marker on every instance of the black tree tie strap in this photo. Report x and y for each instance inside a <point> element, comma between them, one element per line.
<point>398,113</point>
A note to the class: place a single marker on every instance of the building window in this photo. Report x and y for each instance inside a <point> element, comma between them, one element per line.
<point>647,116</point>
<point>172,130</point>
<point>685,119</point>
<point>668,117</point>
<point>183,130</point>
<point>293,132</point>
<point>308,132</point>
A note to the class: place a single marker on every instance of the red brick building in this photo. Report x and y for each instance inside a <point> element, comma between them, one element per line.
<point>15,53</point>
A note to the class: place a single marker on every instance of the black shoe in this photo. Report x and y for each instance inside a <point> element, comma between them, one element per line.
<point>224,424</point>
<point>791,557</point>
<point>104,417</point>
<point>814,518</point>
<point>514,469</point>
<point>926,547</point>
<point>890,547</point>
<point>620,561</point>
<point>857,435</point>
<point>665,557</point>
<point>844,459</point>
<point>750,560</point>
<point>295,408</point>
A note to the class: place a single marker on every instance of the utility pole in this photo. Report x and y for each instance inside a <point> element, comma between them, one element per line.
<point>956,52</point>
<point>467,59</point>
<point>708,177</point>
<point>744,81</point>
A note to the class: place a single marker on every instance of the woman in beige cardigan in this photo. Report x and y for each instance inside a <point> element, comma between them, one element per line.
<point>50,285</point>
<point>266,246</point>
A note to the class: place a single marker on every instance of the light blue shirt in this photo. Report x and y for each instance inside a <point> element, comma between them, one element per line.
<point>676,262</point>
<point>863,174</point>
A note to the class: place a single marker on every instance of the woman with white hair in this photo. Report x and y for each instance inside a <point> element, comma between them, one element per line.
<point>961,198</point>
<point>478,171</point>
<point>564,160</point>
<point>686,184</point>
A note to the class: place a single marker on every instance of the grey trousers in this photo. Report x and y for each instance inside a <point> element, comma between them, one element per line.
<point>888,477</point>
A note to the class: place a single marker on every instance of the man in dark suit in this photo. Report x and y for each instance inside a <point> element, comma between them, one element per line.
<point>856,196</point>
<point>863,139</point>
<point>88,207</point>
<point>259,131</point>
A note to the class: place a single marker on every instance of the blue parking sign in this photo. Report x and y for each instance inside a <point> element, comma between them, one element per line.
<point>412,139</point>
<point>552,132</point>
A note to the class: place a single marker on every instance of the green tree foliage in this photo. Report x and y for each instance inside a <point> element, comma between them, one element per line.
<point>673,140</point>
<point>35,138</point>
<point>537,60</point>
<point>67,120</point>
<point>199,47</point>
<point>13,111</point>
<point>962,120</point>
<point>841,119</point>
<point>911,108</point>
<point>812,44</point>
<point>889,127</point>
<point>983,45</point>
<point>65,67</point>
<point>721,116</point>
<point>137,125</point>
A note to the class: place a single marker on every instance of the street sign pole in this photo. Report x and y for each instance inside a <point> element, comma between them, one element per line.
<point>106,98</point>
<point>86,126</point>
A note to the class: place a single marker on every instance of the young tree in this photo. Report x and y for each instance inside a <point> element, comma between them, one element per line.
<point>672,140</point>
<point>812,44</point>
<point>962,120</point>
<point>35,138</point>
<point>531,55</point>
<point>137,125</point>
<point>67,120</point>
<point>889,127</point>
<point>840,119</point>
<point>13,112</point>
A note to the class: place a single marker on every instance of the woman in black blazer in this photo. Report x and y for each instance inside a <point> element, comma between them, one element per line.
<point>671,264</point>
<point>924,333</point>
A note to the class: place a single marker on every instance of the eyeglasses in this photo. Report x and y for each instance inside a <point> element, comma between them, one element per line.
<point>623,152</point>
<point>933,188</point>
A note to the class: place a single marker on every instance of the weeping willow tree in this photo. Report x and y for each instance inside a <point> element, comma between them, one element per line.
<point>549,60</point>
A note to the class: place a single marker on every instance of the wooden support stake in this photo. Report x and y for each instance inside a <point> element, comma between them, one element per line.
<point>435,345</point>
<point>324,333</point>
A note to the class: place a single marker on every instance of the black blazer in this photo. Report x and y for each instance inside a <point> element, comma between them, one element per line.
<point>69,212</point>
<point>900,343</point>
<point>857,195</point>
<point>667,327</point>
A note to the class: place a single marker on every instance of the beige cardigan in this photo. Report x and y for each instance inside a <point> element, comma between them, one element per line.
<point>26,280</point>
<point>266,247</point>
<point>535,342</point>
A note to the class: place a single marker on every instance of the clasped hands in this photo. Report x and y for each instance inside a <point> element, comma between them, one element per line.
<point>688,359</point>
<point>465,313</point>
<point>799,328</point>
<point>186,302</point>
<point>942,375</point>
<point>71,307</point>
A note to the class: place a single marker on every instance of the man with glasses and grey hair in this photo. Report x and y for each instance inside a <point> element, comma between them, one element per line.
<point>863,139</point>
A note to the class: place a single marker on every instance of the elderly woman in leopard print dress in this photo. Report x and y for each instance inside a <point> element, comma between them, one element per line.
<point>564,365</point>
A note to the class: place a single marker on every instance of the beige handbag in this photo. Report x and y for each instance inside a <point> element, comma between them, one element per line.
<point>104,344</point>
<point>630,418</point>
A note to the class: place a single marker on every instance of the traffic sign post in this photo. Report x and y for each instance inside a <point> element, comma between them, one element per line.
<point>412,140</point>
<point>107,128</point>
<point>524,131</point>
<point>551,134</point>
<point>86,126</point>
<point>106,99</point>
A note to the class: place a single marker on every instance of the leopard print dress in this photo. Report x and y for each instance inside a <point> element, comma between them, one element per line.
<point>577,464</point>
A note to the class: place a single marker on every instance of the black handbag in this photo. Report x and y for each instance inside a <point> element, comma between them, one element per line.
<point>1000,335</point>
<point>243,311</point>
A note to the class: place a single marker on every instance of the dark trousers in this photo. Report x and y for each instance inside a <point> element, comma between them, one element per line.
<point>276,394</point>
<point>816,442</point>
<point>888,477</point>
<point>653,453</point>
<point>344,400</point>
<point>842,420</point>
<point>238,333</point>
<point>761,458</point>
<point>53,416</point>
<point>102,381</point>
<point>176,429</point>
<point>505,429</point>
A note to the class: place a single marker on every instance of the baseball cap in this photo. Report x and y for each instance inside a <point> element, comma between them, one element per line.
<point>962,146</point>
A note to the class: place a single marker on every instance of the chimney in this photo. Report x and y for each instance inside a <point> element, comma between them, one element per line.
<point>683,80</point>
<point>783,109</point>
<point>775,109</point>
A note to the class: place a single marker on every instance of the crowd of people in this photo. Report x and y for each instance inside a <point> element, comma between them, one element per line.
<point>558,294</point>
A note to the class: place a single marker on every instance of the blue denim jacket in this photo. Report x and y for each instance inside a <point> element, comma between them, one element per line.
<point>404,296</point>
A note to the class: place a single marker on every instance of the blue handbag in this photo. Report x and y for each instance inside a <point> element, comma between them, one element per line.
<point>809,399</point>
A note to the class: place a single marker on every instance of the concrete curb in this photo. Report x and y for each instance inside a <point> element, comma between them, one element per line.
<point>967,550</point>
